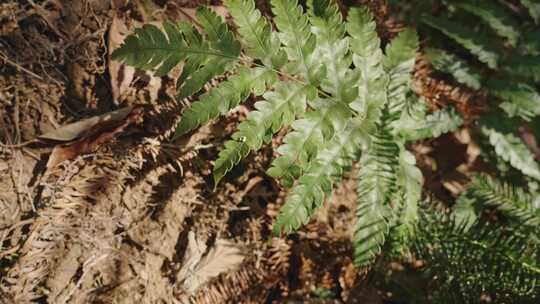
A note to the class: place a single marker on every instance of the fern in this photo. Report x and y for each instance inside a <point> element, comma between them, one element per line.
<point>478,45</point>
<point>469,260</point>
<point>329,115</point>
<point>534,9</point>
<point>316,183</point>
<point>430,126</point>
<point>277,109</point>
<point>455,66</point>
<point>258,39</point>
<point>510,200</point>
<point>495,16</point>
<point>149,47</point>
<point>224,97</point>
<point>299,43</point>
<point>377,181</point>
<point>519,99</point>
<point>510,148</point>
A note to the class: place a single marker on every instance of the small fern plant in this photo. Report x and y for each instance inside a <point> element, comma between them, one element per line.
<point>468,256</point>
<point>504,41</point>
<point>344,99</point>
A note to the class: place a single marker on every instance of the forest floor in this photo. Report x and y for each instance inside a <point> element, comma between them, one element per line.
<point>134,217</point>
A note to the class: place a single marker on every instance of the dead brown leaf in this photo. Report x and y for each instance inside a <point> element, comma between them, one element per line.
<point>83,127</point>
<point>102,132</point>
<point>199,269</point>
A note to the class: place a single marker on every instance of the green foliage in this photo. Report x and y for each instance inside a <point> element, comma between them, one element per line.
<point>484,191</point>
<point>455,66</point>
<point>342,100</point>
<point>478,45</point>
<point>471,260</point>
<point>278,108</point>
<point>514,84</point>
<point>227,95</point>
<point>496,16</point>
<point>509,147</point>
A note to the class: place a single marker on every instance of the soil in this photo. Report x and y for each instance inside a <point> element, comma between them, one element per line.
<point>138,220</point>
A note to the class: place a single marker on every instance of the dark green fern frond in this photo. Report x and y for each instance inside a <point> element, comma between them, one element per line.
<point>511,149</point>
<point>496,16</point>
<point>258,39</point>
<point>150,49</point>
<point>524,66</point>
<point>468,261</point>
<point>510,200</point>
<point>278,108</point>
<point>227,95</point>
<point>455,66</point>
<point>534,9</point>
<point>519,99</point>
<point>478,45</point>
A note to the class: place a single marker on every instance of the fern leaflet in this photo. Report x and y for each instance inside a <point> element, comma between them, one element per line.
<point>227,95</point>
<point>477,45</point>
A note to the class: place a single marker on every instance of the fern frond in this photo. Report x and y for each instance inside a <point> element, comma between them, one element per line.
<point>478,45</point>
<point>430,126</point>
<point>299,43</point>
<point>519,99</point>
<point>278,108</point>
<point>534,9</point>
<point>316,183</point>
<point>377,183</point>
<point>399,64</point>
<point>494,15</point>
<point>510,200</point>
<point>367,58</point>
<point>470,260</point>
<point>511,149</point>
<point>524,66</point>
<point>309,135</point>
<point>258,39</point>
<point>149,48</point>
<point>455,66</point>
<point>409,180</point>
<point>227,95</point>
<point>332,50</point>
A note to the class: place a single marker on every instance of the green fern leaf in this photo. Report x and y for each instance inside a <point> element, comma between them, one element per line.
<point>495,16</point>
<point>409,180</point>
<point>258,39</point>
<point>519,99</point>
<point>511,149</point>
<point>231,155</point>
<point>317,181</point>
<point>149,48</point>
<point>430,126</point>
<point>534,9</point>
<point>377,184</point>
<point>524,66</point>
<point>399,64</point>
<point>511,201</point>
<point>278,108</point>
<point>478,45</point>
<point>455,66</point>
<point>332,50</point>
<point>367,58</point>
<point>227,95</point>
<point>299,43</point>
<point>308,136</point>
